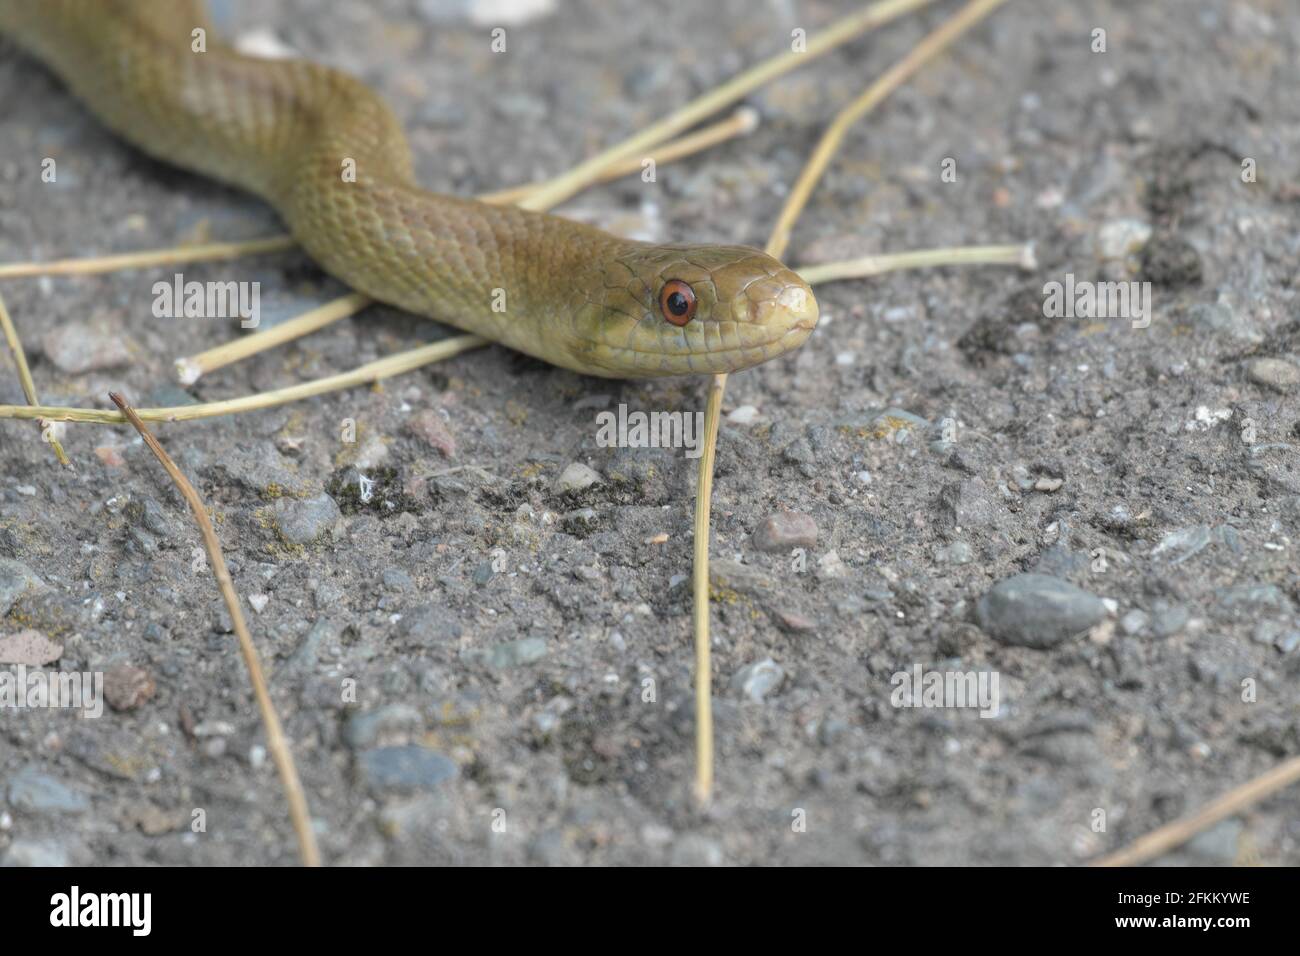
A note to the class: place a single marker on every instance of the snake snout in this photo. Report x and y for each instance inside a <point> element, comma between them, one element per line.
<point>782,303</point>
<point>776,312</point>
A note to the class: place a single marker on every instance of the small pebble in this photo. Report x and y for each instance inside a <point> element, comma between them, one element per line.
<point>303,522</point>
<point>830,567</point>
<point>431,428</point>
<point>759,679</point>
<point>959,552</point>
<point>127,687</point>
<point>1034,610</point>
<point>784,530</point>
<point>1134,622</point>
<point>32,791</point>
<point>29,647</point>
<point>15,580</point>
<point>77,347</point>
<point>1122,237</point>
<point>405,769</point>
<point>576,477</point>
<point>1274,373</point>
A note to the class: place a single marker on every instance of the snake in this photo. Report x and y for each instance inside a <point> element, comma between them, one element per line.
<point>328,155</point>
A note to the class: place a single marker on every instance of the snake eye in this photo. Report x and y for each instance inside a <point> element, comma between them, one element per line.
<point>677,302</point>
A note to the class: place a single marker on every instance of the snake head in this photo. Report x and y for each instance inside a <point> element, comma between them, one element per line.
<point>656,310</point>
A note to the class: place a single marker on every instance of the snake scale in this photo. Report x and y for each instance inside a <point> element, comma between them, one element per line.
<point>287,130</point>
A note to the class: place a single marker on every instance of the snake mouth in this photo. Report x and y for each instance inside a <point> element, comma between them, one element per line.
<point>627,362</point>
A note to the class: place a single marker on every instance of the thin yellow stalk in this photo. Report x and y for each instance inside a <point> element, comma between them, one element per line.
<point>370,372</point>
<point>189,369</point>
<point>1165,838</point>
<point>153,257</point>
<point>25,375</point>
<point>740,123</point>
<point>896,76</point>
<point>739,86</point>
<point>700,584</point>
<point>926,50</point>
<point>275,739</point>
<point>1019,256</point>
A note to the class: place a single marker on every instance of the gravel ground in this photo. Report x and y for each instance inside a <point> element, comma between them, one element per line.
<point>489,660</point>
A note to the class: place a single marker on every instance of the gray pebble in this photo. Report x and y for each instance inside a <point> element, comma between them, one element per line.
<point>959,552</point>
<point>1219,318</point>
<point>831,567</point>
<point>405,768</point>
<point>326,594</point>
<point>305,521</point>
<point>696,850</point>
<point>1277,634</point>
<point>168,396</point>
<point>831,731</point>
<point>546,722</point>
<point>1266,632</point>
<point>1247,597</point>
<point>15,578</point>
<point>77,347</point>
<point>529,650</point>
<point>1169,619</point>
<point>1274,373</point>
<point>1122,237</point>
<point>1059,561</point>
<point>34,792</point>
<point>968,504</point>
<point>308,652</point>
<point>1218,845</point>
<point>387,726</point>
<point>576,477</point>
<point>1034,610</point>
<point>742,578</point>
<point>395,579</point>
<point>1134,622</point>
<point>430,624</point>
<point>32,853</point>
<point>759,679</point>
<point>1185,543</point>
<point>154,519</point>
<point>799,452</point>
<point>441,12</point>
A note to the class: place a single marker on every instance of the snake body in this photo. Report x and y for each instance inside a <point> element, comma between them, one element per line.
<point>290,131</point>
